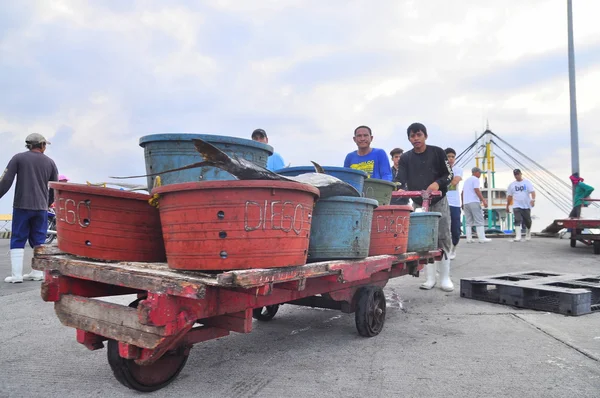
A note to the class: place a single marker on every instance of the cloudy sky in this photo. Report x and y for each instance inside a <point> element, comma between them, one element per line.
<point>93,77</point>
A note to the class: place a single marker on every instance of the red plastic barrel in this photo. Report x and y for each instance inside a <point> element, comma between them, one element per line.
<point>226,225</point>
<point>389,230</point>
<point>107,224</point>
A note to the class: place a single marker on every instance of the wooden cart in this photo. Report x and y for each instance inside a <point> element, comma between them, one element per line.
<point>149,340</point>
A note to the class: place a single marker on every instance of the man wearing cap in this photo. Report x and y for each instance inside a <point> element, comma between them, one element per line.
<point>275,161</point>
<point>472,198</point>
<point>34,171</point>
<point>521,195</point>
<point>426,167</point>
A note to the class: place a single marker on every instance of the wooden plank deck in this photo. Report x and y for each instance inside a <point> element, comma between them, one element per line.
<point>158,277</point>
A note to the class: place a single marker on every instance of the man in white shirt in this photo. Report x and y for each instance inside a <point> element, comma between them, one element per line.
<point>454,201</point>
<point>521,195</point>
<point>472,199</point>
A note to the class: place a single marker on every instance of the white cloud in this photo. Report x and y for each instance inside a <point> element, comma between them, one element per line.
<point>98,75</point>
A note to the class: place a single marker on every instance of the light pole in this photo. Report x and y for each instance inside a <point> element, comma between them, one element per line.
<point>572,95</point>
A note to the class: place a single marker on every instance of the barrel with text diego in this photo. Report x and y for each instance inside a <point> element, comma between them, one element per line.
<point>226,225</point>
<point>389,230</point>
<point>107,223</point>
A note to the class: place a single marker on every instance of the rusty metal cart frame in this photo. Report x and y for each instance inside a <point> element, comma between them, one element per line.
<point>577,225</point>
<point>149,340</point>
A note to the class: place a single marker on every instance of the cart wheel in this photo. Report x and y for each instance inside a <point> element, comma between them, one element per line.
<point>150,377</point>
<point>573,242</point>
<point>597,247</point>
<point>370,311</point>
<point>265,314</point>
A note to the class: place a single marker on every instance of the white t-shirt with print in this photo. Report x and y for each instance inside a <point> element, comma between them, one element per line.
<point>469,195</point>
<point>520,191</point>
<point>453,193</point>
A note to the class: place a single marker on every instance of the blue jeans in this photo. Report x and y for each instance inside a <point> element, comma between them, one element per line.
<point>29,225</point>
<point>455,224</point>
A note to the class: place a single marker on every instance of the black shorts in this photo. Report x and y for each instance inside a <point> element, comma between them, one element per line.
<point>522,215</point>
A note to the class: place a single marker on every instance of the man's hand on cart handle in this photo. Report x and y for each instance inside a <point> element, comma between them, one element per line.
<point>415,194</point>
<point>433,187</point>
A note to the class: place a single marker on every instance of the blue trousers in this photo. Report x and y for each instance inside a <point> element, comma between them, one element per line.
<point>455,224</point>
<point>29,225</point>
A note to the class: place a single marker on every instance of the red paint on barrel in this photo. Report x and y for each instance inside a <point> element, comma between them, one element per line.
<point>389,230</point>
<point>226,225</point>
<point>107,224</point>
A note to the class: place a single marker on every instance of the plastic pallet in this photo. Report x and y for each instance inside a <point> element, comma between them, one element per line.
<point>567,294</point>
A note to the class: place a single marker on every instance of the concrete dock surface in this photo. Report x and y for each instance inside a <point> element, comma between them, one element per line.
<point>434,344</point>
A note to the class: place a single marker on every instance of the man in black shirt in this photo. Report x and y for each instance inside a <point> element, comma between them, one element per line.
<point>396,154</point>
<point>426,168</point>
<point>33,170</point>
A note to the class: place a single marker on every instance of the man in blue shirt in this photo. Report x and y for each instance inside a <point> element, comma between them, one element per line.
<point>275,161</point>
<point>372,161</point>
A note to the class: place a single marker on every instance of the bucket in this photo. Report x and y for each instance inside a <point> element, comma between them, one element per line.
<point>389,230</point>
<point>380,190</point>
<point>107,224</point>
<point>241,224</point>
<point>423,231</point>
<point>356,178</point>
<point>341,228</point>
<point>173,150</point>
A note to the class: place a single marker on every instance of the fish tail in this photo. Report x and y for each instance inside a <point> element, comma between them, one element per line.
<point>318,167</point>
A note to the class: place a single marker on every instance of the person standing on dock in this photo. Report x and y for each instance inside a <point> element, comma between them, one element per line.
<point>396,154</point>
<point>454,201</point>
<point>34,171</point>
<point>372,161</point>
<point>426,167</point>
<point>275,161</point>
<point>521,195</point>
<point>472,198</point>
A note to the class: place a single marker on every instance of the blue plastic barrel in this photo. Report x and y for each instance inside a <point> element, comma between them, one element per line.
<point>423,231</point>
<point>356,178</point>
<point>173,150</point>
<point>341,228</point>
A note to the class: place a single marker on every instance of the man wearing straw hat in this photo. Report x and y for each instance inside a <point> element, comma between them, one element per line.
<point>34,171</point>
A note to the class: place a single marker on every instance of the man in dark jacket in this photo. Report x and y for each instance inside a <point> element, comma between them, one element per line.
<point>426,168</point>
<point>396,154</point>
<point>34,171</point>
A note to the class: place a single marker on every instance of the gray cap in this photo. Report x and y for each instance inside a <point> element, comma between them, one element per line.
<point>35,138</point>
<point>476,170</point>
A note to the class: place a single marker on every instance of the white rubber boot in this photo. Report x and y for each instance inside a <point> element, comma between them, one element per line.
<point>430,270</point>
<point>452,254</point>
<point>528,234</point>
<point>481,235</point>
<point>445,281</point>
<point>517,234</point>
<point>34,275</point>
<point>16,261</point>
<point>469,234</point>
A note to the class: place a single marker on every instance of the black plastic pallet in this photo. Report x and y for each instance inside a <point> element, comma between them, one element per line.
<point>568,294</point>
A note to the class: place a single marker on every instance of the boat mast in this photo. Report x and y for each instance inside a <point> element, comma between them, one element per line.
<point>489,168</point>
